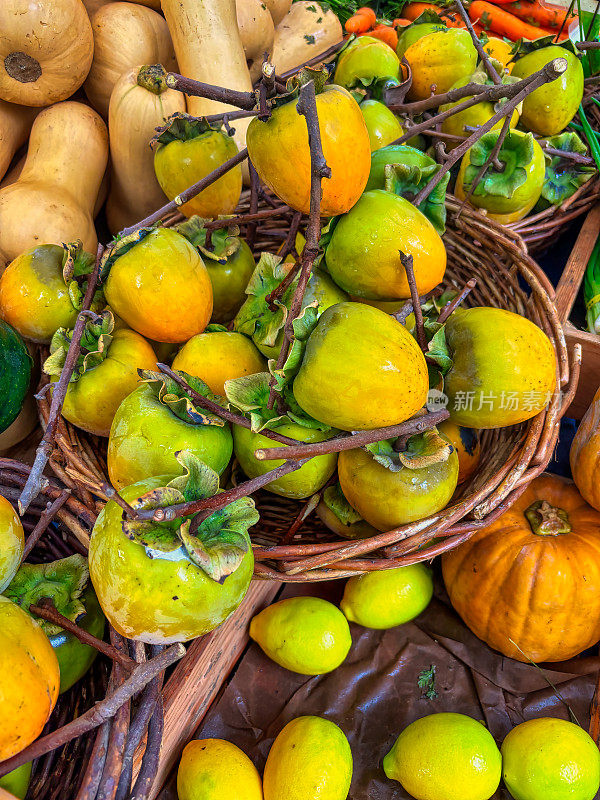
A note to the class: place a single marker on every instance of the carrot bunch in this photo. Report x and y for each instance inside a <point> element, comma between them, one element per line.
<point>525,19</point>
<point>364,23</point>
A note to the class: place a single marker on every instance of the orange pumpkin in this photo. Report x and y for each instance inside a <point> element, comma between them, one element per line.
<point>529,583</point>
<point>585,454</point>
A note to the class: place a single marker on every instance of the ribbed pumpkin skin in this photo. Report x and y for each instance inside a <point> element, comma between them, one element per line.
<point>585,454</point>
<point>543,592</point>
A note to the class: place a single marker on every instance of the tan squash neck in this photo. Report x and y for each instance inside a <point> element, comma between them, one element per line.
<point>547,520</point>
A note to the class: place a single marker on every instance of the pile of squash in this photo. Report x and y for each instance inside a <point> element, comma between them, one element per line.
<point>69,67</point>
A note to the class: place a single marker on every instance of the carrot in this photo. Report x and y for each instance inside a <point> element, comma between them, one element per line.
<point>414,10</point>
<point>368,12</point>
<point>502,22</point>
<point>387,34</point>
<point>541,14</point>
<point>401,23</point>
<point>358,23</point>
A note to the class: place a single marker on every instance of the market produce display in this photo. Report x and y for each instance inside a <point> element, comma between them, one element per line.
<point>263,282</point>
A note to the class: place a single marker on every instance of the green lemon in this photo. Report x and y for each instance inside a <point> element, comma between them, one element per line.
<point>388,598</point>
<point>309,760</point>
<point>445,757</point>
<point>303,634</point>
<point>550,759</point>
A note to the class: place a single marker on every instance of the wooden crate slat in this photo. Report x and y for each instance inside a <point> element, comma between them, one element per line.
<point>198,677</point>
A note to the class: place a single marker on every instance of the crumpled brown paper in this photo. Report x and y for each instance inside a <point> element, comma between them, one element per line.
<point>374,694</point>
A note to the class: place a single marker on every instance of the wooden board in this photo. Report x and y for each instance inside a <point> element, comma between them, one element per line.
<point>566,294</point>
<point>198,677</point>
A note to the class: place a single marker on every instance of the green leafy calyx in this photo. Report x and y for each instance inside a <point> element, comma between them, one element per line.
<point>516,153</point>
<point>217,544</point>
<point>221,245</point>
<point>564,175</point>
<point>182,127</point>
<point>63,581</point>
<point>172,395</point>
<point>422,450</point>
<point>95,345</point>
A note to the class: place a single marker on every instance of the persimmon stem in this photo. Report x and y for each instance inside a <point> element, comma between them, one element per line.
<point>45,609</point>
<point>34,481</point>
<point>307,107</point>
<point>353,440</point>
<point>407,263</point>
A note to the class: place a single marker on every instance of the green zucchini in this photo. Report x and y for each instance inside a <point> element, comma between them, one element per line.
<point>15,374</point>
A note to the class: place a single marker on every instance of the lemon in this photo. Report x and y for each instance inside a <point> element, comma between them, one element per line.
<point>445,757</point>
<point>303,634</point>
<point>309,760</point>
<point>550,759</point>
<point>388,598</point>
<point>213,769</point>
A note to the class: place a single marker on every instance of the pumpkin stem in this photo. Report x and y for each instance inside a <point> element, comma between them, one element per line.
<point>547,520</point>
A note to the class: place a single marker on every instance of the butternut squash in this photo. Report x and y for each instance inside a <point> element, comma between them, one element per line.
<point>257,32</point>
<point>54,197</point>
<point>209,48</point>
<point>306,31</point>
<point>140,102</point>
<point>46,49</point>
<point>13,174</point>
<point>125,35</point>
<point>93,5</point>
<point>15,124</point>
<point>278,9</point>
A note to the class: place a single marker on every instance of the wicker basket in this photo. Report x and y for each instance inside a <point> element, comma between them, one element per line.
<point>508,278</point>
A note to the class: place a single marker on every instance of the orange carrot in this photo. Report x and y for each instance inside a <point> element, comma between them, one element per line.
<point>450,18</point>
<point>541,14</point>
<point>401,23</point>
<point>414,10</point>
<point>387,34</point>
<point>496,19</point>
<point>359,23</point>
<point>368,12</point>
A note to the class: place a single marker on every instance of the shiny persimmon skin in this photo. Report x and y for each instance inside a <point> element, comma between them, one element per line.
<point>505,361</point>
<point>299,484</point>
<point>157,600</point>
<point>387,499</point>
<point>145,435</point>
<point>229,283</point>
<point>92,401</point>
<point>219,356</point>
<point>33,296</point>
<point>279,151</point>
<point>161,288</point>
<point>12,541</point>
<point>361,370</point>
<point>362,256</point>
<point>439,59</point>
<point>180,164</point>
<point>29,679</point>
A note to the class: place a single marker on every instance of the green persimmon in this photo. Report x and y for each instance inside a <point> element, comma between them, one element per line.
<point>503,371</point>
<point>297,485</point>
<point>550,108</point>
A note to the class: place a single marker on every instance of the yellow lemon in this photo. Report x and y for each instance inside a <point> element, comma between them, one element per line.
<point>445,757</point>
<point>214,769</point>
<point>309,760</point>
<point>388,598</point>
<point>550,759</point>
<point>303,634</point>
